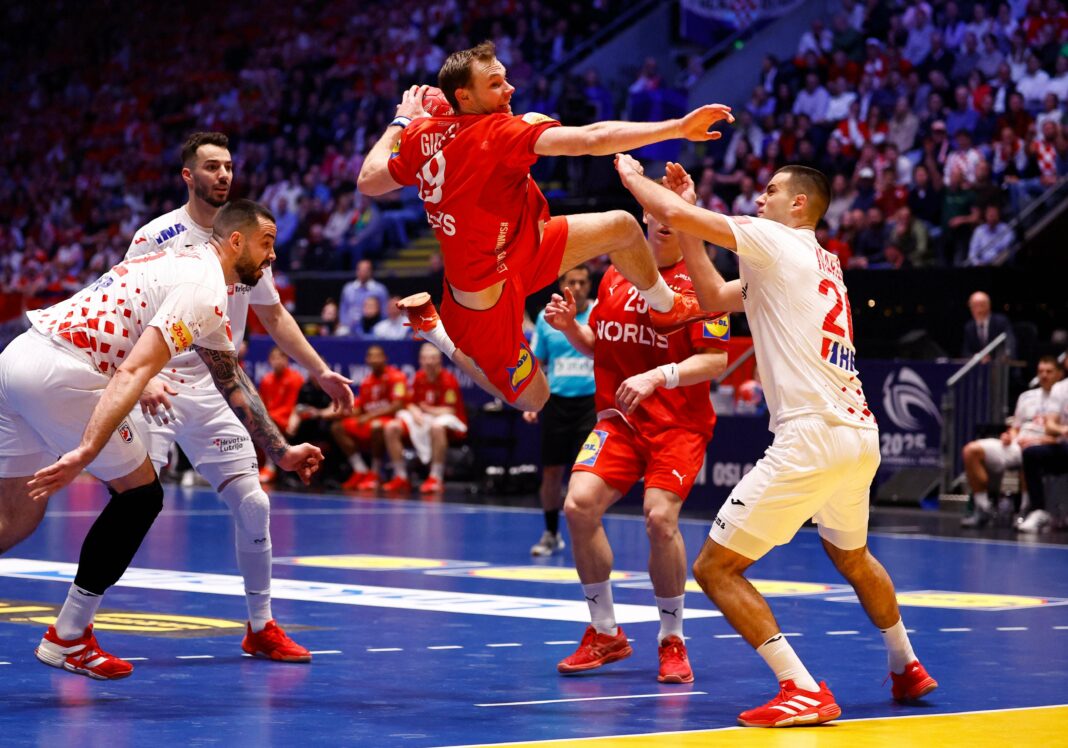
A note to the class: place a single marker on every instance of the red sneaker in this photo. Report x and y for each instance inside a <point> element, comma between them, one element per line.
<point>596,650</point>
<point>912,684</point>
<point>266,474</point>
<point>397,484</point>
<point>274,644</point>
<point>686,310</point>
<point>82,655</point>
<point>431,485</point>
<point>793,707</point>
<point>674,664</point>
<point>354,481</point>
<point>422,315</point>
<point>369,483</point>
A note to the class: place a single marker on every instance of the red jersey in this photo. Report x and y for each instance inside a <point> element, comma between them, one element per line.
<point>380,391</point>
<point>279,394</point>
<point>444,390</point>
<point>626,344</point>
<point>473,173</point>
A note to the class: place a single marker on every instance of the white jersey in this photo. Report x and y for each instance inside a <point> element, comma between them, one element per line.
<point>798,310</point>
<point>178,229</point>
<point>182,293</point>
<point>1031,410</point>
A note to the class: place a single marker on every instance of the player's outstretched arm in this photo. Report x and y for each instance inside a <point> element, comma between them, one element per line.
<point>374,178</point>
<point>241,395</point>
<point>560,315</point>
<point>700,367</point>
<point>149,354</point>
<point>606,138</point>
<point>284,330</point>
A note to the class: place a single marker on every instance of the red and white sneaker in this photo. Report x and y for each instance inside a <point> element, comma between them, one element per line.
<point>422,314</point>
<point>82,655</point>
<point>674,664</point>
<point>431,485</point>
<point>912,684</point>
<point>793,707</point>
<point>397,484</point>
<point>354,481</point>
<point>274,644</point>
<point>595,650</point>
<point>686,310</point>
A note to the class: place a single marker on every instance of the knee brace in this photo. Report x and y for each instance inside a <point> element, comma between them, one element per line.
<point>248,503</point>
<point>116,535</point>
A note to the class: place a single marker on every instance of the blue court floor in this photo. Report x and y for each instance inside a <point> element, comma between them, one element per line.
<point>431,626</point>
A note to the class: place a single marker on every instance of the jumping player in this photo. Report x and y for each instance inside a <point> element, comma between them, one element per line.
<point>826,446</point>
<point>655,422</point>
<point>67,387</point>
<point>498,241</point>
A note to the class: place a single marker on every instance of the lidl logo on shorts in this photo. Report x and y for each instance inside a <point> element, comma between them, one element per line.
<point>523,369</point>
<point>181,335</point>
<point>125,432</point>
<point>591,448</point>
<point>718,328</point>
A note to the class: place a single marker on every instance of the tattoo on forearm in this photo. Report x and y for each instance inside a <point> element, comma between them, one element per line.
<point>241,395</point>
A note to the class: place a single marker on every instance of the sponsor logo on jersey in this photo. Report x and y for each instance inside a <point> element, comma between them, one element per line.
<point>718,328</point>
<point>125,432</point>
<point>524,368</point>
<point>533,118</point>
<point>230,444</point>
<point>630,332</point>
<point>591,448</point>
<point>904,394</point>
<point>169,233</point>
<point>181,335</point>
<point>141,240</point>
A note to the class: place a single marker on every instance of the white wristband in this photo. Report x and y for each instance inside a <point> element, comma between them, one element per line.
<point>401,121</point>
<point>671,375</point>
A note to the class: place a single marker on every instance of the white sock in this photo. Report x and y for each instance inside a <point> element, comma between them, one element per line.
<point>437,470</point>
<point>659,295</point>
<point>898,648</point>
<point>670,609</point>
<point>400,470</point>
<point>602,612</point>
<point>782,659</point>
<point>358,465</point>
<point>440,339</point>
<point>255,569</point>
<point>77,612</point>
<point>982,501</point>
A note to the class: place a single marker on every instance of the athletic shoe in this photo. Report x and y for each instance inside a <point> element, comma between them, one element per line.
<point>912,684</point>
<point>431,485</point>
<point>369,483</point>
<point>793,707</point>
<point>1037,521</point>
<point>397,484</point>
<point>189,479</point>
<point>674,664</point>
<point>422,315</point>
<point>596,650</point>
<point>550,543</point>
<point>82,655</point>
<point>274,644</point>
<point>355,480</point>
<point>977,519</point>
<point>686,310</point>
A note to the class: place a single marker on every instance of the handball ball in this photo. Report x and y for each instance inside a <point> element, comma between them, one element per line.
<point>435,103</point>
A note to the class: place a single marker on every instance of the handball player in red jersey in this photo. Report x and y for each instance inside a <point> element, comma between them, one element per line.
<point>655,420</point>
<point>498,242</point>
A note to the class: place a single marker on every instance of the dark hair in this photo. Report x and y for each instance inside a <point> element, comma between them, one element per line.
<point>581,266</point>
<point>197,139</point>
<point>238,215</point>
<point>804,180</point>
<point>456,71</point>
<point>1047,359</point>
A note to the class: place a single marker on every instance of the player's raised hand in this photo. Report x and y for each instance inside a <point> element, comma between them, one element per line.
<point>338,388</point>
<point>411,105</point>
<point>679,181</point>
<point>560,312</point>
<point>694,126</point>
<point>302,459</point>
<point>156,404</point>
<point>628,166</point>
<point>48,480</point>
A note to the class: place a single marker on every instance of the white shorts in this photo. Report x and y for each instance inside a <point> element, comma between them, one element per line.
<point>999,457</point>
<point>206,429</point>
<point>812,469</point>
<point>47,395</point>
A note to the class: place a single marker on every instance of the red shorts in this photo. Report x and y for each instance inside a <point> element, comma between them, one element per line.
<point>620,456</point>
<point>494,337</point>
<point>361,432</point>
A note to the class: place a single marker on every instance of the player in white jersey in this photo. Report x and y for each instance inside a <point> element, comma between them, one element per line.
<point>208,432</point>
<point>826,447</point>
<point>68,385</point>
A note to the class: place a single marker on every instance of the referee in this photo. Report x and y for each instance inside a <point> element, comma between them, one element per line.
<point>570,414</point>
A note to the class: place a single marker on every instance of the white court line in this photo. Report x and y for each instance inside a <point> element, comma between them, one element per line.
<point>195,657</point>
<point>325,652</point>
<point>1061,628</point>
<point>5,663</point>
<point>385,649</point>
<point>506,644</point>
<point>1012,628</point>
<point>955,630</point>
<point>140,659</point>
<point>795,633</point>
<point>569,641</point>
<point>727,636</point>
<point>448,646</point>
<point>599,698</point>
<point>842,633</point>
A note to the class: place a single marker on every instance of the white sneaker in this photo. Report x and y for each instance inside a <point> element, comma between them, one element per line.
<point>549,544</point>
<point>189,479</point>
<point>1036,522</point>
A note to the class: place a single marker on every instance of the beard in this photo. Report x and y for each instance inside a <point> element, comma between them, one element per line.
<point>205,194</point>
<point>248,272</point>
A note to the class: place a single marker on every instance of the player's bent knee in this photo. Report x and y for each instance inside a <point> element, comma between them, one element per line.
<point>247,502</point>
<point>581,510</point>
<point>660,524</point>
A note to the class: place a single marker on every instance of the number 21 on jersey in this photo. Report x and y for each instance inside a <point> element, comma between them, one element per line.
<point>837,346</point>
